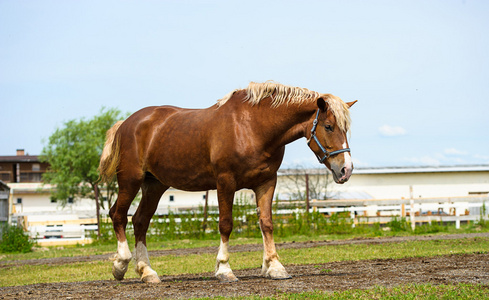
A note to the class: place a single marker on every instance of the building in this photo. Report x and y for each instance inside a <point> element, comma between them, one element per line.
<point>28,196</point>
<point>395,182</point>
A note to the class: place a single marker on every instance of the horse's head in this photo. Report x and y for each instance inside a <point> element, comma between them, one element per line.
<point>328,136</point>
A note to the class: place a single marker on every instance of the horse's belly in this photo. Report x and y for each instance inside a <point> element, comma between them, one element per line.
<point>186,180</point>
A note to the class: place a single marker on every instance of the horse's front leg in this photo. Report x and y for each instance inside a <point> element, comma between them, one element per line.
<point>271,267</point>
<point>225,195</point>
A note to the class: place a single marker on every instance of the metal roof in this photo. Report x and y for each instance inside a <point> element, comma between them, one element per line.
<point>422,169</point>
<point>391,170</point>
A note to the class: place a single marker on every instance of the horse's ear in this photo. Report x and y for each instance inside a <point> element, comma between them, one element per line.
<point>322,104</point>
<point>350,104</point>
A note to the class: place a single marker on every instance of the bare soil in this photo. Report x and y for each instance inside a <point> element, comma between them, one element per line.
<point>335,276</point>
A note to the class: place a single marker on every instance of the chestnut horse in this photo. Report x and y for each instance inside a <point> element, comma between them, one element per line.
<point>237,143</point>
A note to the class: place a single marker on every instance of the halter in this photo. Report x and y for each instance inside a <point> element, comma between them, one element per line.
<point>326,153</point>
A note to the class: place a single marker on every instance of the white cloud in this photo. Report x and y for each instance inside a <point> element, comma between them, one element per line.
<point>453,151</point>
<point>449,156</point>
<point>481,158</point>
<point>390,131</point>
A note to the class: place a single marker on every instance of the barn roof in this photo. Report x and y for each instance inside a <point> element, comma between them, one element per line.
<point>422,169</point>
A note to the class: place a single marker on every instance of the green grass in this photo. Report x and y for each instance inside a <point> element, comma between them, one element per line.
<point>104,248</point>
<point>172,265</point>
<point>159,243</point>
<point>408,292</point>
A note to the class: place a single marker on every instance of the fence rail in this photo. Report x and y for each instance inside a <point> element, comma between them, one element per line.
<point>420,210</point>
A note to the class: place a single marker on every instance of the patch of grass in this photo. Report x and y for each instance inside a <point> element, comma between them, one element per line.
<point>410,291</point>
<point>192,264</point>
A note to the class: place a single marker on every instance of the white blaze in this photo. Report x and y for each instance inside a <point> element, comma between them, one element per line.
<point>347,158</point>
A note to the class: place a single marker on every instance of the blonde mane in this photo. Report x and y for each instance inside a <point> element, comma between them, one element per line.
<point>283,94</point>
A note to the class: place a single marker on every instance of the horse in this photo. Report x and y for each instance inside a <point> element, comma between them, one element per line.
<point>237,143</point>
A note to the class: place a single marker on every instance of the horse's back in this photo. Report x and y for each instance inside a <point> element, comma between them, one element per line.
<point>170,143</point>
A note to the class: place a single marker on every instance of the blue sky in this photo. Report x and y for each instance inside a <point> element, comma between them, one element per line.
<point>420,69</point>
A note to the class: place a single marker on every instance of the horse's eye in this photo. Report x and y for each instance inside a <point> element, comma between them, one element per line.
<point>328,128</point>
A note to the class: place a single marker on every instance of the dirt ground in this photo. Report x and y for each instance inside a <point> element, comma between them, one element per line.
<point>336,276</point>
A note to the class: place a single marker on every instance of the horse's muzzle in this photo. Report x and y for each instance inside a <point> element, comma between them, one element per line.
<point>342,173</point>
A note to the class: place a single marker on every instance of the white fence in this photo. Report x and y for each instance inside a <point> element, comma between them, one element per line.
<point>81,231</point>
<point>59,232</point>
<point>421,210</point>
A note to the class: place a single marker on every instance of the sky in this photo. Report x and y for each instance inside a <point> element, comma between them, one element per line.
<point>419,69</point>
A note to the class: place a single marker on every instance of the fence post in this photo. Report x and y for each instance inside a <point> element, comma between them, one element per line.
<point>411,203</point>
<point>97,204</point>
<point>206,207</point>
<point>352,216</point>
<point>307,194</point>
<point>457,216</point>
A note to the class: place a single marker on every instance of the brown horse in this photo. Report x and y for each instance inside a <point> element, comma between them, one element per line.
<point>237,143</point>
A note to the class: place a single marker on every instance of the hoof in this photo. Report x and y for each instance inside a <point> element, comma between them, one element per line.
<point>282,277</point>
<point>151,279</point>
<point>227,277</point>
<point>119,268</point>
<point>118,273</point>
<point>278,274</point>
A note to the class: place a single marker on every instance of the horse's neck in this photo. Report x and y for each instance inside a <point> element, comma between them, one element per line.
<point>289,123</point>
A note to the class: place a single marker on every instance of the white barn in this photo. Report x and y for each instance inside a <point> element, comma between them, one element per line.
<point>396,182</point>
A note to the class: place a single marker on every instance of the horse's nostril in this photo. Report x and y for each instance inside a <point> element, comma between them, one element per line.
<point>343,171</point>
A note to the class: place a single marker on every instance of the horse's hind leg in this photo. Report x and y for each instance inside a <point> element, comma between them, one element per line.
<point>152,190</point>
<point>128,189</point>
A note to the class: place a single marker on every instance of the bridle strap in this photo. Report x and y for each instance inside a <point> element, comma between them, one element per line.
<point>326,153</point>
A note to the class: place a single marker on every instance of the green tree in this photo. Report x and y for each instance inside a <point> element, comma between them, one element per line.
<point>73,153</point>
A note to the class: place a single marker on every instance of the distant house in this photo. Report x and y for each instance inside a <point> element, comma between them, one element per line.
<point>23,175</point>
<point>21,168</point>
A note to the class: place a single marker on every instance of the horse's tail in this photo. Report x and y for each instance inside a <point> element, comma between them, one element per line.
<point>110,155</point>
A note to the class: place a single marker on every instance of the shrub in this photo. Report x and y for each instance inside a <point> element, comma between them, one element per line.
<point>482,222</point>
<point>398,224</point>
<point>14,240</point>
<point>434,227</point>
